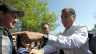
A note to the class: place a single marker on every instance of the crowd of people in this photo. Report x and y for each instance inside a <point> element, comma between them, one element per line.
<point>73,40</point>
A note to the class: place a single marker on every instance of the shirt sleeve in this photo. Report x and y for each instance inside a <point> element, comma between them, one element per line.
<point>48,49</point>
<point>76,40</point>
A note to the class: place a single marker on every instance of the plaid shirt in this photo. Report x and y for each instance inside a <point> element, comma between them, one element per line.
<point>6,45</point>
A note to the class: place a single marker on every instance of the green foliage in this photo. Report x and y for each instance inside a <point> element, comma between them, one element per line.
<point>36,13</point>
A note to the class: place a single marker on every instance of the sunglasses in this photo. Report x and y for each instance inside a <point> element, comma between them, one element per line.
<point>44,28</point>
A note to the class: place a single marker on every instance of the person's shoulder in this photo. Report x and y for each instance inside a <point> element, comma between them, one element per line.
<point>3,31</point>
<point>1,28</point>
<point>79,25</point>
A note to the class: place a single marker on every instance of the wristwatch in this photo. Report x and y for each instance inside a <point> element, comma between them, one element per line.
<point>45,37</point>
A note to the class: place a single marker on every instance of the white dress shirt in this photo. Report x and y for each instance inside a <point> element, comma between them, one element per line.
<point>73,41</point>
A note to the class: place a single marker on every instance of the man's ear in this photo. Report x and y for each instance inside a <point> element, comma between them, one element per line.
<point>50,29</point>
<point>74,17</point>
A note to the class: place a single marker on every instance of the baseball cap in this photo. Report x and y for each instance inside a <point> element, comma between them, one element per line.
<point>7,7</point>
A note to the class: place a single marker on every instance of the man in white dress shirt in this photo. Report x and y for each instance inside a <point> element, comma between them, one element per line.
<point>73,40</point>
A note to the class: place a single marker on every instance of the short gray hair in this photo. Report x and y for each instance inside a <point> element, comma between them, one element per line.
<point>70,10</point>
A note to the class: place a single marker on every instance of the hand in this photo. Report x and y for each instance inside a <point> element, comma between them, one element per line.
<point>29,36</point>
<point>34,51</point>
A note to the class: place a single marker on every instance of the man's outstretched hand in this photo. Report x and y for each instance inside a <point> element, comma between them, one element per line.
<point>29,37</point>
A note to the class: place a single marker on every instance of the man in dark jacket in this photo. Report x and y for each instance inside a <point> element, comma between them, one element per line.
<point>8,17</point>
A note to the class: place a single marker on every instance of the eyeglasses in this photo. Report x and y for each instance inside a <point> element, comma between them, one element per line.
<point>44,28</point>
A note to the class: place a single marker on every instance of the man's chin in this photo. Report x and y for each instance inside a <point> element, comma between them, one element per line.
<point>11,27</point>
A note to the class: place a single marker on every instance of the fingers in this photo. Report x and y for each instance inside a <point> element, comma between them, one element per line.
<point>34,51</point>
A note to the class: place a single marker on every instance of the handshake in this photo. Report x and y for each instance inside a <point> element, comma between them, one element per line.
<point>29,37</point>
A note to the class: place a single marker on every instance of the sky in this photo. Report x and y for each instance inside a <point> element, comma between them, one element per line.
<point>85,11</point>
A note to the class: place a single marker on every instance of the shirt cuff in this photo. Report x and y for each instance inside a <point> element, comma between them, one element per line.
<point>51,40</point>
<point>47,49</point>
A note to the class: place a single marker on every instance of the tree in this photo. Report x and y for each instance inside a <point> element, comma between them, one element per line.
<point>36,13</point>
